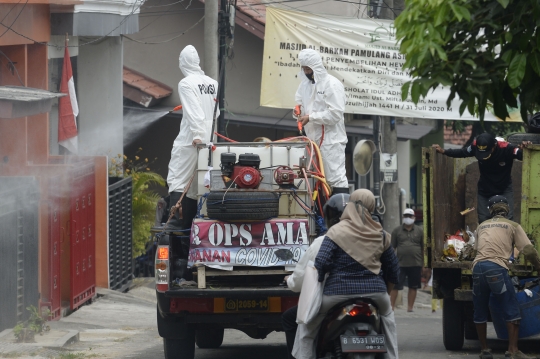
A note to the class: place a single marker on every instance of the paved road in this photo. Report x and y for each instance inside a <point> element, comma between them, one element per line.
<point>123,326</point>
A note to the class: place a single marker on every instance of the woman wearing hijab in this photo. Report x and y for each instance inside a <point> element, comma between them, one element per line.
<point>360,262</point>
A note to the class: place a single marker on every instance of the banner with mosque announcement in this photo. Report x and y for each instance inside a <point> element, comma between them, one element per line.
<point>217,243</point>
<point>362,53</point>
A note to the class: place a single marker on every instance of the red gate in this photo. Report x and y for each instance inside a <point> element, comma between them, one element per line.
<point>54,295</point>
<point>82,249</point>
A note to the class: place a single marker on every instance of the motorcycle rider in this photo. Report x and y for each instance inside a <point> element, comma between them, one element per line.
<point>333,209</point>
<point>358,256</point>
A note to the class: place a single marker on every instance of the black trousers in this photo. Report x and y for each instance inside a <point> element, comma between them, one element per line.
<point>189,211</point>
<point>288,321</point>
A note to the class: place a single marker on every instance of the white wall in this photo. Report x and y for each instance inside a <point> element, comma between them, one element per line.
<point>100,98</point>
<point>404,167</point>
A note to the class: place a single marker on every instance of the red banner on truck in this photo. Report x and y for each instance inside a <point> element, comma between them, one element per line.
<point>247,244</point>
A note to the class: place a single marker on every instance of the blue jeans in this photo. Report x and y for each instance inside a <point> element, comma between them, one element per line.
<point>491,279</point>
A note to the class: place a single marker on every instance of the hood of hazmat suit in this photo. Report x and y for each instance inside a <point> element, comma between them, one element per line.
<point>198,96</point>
<point>324,102</point>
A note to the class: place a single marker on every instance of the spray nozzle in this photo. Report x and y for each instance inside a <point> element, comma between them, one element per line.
<point>179,107</point>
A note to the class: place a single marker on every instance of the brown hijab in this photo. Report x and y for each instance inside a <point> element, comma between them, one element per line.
<point>358,234</point>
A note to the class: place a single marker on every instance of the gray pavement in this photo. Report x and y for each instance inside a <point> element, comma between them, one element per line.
<point>123,325</point>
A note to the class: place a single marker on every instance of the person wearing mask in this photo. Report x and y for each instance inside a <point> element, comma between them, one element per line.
<point>495,159</point>
<point>198,95</point>
<point>322,98</point>
<point>407,240</point>
<point>496,238</point>
<point>333,209</point>
<point>360,262</point>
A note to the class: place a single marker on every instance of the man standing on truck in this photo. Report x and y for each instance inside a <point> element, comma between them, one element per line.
<point>495,160</point>
<point>333,209</point>
<point>322,98</point>
<point>407,241</point>
<point>198,95</point>
<point>495,240</point>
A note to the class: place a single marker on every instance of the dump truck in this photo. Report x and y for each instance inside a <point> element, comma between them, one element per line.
<point>259,199</point>
<point>450,187</point>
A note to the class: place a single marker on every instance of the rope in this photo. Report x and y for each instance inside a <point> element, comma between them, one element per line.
<point>199,206</point>
<point>179,203</point>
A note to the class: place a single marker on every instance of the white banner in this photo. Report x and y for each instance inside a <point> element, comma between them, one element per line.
<point>362,53</point>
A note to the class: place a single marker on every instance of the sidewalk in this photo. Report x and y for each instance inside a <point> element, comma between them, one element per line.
<point>112,317</point>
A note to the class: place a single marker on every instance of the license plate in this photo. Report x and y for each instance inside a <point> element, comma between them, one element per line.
<point>246,305</point>
<point>367,344</point>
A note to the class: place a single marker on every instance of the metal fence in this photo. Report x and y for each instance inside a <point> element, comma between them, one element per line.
<point>120,235</point>
<point>19,203</point>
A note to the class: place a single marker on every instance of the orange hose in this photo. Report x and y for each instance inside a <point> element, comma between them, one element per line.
<point>225,138</point>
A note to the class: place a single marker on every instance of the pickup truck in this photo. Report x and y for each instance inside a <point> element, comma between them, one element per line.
<point>256,203</point>
<point>449,187</point>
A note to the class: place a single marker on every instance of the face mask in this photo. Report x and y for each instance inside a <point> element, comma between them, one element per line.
<point>310,77</point>
<point>408,221</point>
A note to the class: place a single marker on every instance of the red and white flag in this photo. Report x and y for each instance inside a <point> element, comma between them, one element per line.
<point>68,109</point>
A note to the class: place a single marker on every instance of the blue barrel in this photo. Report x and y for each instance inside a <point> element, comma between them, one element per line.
<point>530,312</point>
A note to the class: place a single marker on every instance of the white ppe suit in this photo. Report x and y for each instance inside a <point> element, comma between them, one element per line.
<point>324,102</point>
<point>198,95</point>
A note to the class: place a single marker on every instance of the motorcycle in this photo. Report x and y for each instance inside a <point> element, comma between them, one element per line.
<point>351,330</point>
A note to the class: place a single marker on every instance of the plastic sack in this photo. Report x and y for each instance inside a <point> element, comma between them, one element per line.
<point>453,245</point>
<point>311,294</point>
<point>207,177</point>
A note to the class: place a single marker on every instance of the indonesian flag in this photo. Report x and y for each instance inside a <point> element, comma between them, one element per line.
<point>67,108</point>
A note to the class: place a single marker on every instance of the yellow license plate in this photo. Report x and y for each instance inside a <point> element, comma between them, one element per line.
<point>241,305</point>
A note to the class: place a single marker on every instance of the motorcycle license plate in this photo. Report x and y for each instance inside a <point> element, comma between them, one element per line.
<point>246,305</point>
<point>366,344</point>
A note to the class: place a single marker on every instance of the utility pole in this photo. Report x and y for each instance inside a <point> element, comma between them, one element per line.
<point>385,127</point>
<point>223,32</point>
<point>211,39</point>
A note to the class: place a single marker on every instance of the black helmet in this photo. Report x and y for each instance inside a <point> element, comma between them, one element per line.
<point>496,199</point>
<point>334,207</point>
<point>498,206</point>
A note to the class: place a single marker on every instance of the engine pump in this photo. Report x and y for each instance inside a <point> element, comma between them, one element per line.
<point>245,173</point>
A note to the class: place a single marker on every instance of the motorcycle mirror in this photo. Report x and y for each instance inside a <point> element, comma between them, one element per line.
<point>285,255</point>
<point>363,157</point>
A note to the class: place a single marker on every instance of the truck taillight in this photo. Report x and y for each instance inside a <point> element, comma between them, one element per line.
<point>162,268</point>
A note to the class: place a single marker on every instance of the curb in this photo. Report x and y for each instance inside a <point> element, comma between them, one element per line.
<point>72,336</point>
<point>5,333</point>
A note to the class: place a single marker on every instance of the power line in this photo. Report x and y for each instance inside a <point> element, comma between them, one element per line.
<point>2,22</point>
<point>86,43</point>
<point>165,41</point>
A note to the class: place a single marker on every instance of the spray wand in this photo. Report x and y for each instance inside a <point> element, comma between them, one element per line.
<point>297,113</point>
<point>179,107</point>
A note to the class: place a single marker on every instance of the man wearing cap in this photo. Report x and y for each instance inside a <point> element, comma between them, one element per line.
<point>495,160</point>
<point>407,241</point>
<point>495,240</point>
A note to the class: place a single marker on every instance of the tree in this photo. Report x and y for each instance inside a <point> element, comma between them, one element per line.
<point>486,51</point>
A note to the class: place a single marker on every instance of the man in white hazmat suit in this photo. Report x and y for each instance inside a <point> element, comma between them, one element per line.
<point>322,99</point>
<point>198,95</point>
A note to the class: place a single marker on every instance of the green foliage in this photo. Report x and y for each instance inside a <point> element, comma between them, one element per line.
<point>144,207</point>
<point>36,324</point>
<point>486,51</point>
